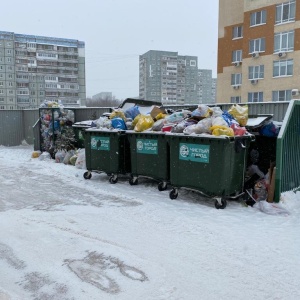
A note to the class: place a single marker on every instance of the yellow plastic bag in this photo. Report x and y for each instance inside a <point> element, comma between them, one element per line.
<point>35,154</point>
<point>240,113</point>
<point>160,116</point>
<point>136,119</point>
<point>117,113</point>
<point>144,122</point>
<point>221,130</point>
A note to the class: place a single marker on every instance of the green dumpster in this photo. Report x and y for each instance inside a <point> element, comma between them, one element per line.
<point>149,157</point>
<point>79,131</point>
<point>107,151</point>
<point>214,166</point>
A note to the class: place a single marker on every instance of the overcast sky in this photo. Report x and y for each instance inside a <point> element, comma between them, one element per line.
<point>116,32</point>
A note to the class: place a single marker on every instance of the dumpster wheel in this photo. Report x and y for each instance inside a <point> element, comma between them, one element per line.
<point>133,180</point>
<point>173,194</point>
<point>113,179</point>
<point>162,186</point>
<point>87,175</point>
<point>220,203</point>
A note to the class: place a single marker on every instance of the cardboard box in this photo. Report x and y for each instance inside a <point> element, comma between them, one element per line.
<point>155,111</point>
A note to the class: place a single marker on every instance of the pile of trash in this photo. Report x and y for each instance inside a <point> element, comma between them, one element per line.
<point>203,120</point>
<point>74,157</point>
<point>56,127</point>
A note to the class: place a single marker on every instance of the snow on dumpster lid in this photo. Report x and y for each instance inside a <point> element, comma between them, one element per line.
<point>257,120</point>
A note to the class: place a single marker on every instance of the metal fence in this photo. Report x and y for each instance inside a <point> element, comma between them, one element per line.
<point>23,125</point>
<point>19,125</point>
<point>287,176</point>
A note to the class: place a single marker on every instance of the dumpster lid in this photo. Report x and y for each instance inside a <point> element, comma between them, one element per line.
<point>83,123</point>
<point>255,121</point>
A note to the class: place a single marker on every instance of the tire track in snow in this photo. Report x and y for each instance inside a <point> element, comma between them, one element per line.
<point>76,232</point>
<point>31,186</point>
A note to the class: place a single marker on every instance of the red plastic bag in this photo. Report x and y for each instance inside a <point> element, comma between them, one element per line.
<point>238,130</point>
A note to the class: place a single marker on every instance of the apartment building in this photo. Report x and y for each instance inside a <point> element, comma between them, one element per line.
<point>214,90</point>
<point>258,50</point>
<point>168,77</point>
<point>206,87</point>
<point>38,68</point>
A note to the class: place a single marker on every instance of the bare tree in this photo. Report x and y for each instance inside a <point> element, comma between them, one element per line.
<point>103,102</point>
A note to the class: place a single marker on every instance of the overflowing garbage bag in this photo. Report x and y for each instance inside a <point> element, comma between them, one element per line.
<point>202,120</point>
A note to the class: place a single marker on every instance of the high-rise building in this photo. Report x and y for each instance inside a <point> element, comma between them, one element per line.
<point>214,90</point>
<point>206,87</point>
<point>258,50</point>
<point>38,68</point>
<point>168,77</point>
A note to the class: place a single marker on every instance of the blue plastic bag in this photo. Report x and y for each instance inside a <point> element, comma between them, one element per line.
<point>270,129</point>
<point>132,112</point>
<point>118,123</point>
<point>229,118</point>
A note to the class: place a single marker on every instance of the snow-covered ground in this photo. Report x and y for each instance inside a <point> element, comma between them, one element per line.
<point>64,237</point>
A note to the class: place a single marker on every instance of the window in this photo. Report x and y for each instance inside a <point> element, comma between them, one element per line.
<point>283,68</point>
<point>237,32</point>
<point>31,45</point>
<point>10,84</point>
<point>1,83</point>
<point>284,41</point>
<point>236,79</point>
<point>192,63</point>
<point>1,92</point>
<point>256,72</point>
<point>236,99</point>
<point>10,76</point>
<point>258,18</point>
<point>9,51</point>
<point>257,45</point>
<point>285,95</point>
<point>237,55</point>
<point>255,97</point>
<point>8,59</point>
<point>1,99</point>
<point>285,12</point>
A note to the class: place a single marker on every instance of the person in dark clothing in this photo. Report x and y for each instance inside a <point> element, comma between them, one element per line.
<point>252,176</point>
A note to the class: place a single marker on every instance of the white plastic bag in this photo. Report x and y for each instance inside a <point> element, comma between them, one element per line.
<point>80,161</point>
<point>204,125</point>
<point>59,156</point>
<point>68,155</point>
<point>219,121</point>
<point>190,129</point>
<point>272,208</point>
<point>45,156</point>
<point>217,111</point>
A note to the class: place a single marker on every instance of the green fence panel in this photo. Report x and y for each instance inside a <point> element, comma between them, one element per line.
<point>287,176</point>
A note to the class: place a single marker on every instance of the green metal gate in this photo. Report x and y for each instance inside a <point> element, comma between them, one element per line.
<point>287,152</point>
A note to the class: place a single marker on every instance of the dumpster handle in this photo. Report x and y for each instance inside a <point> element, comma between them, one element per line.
<point>242,145</point>
<point>239,146</point>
